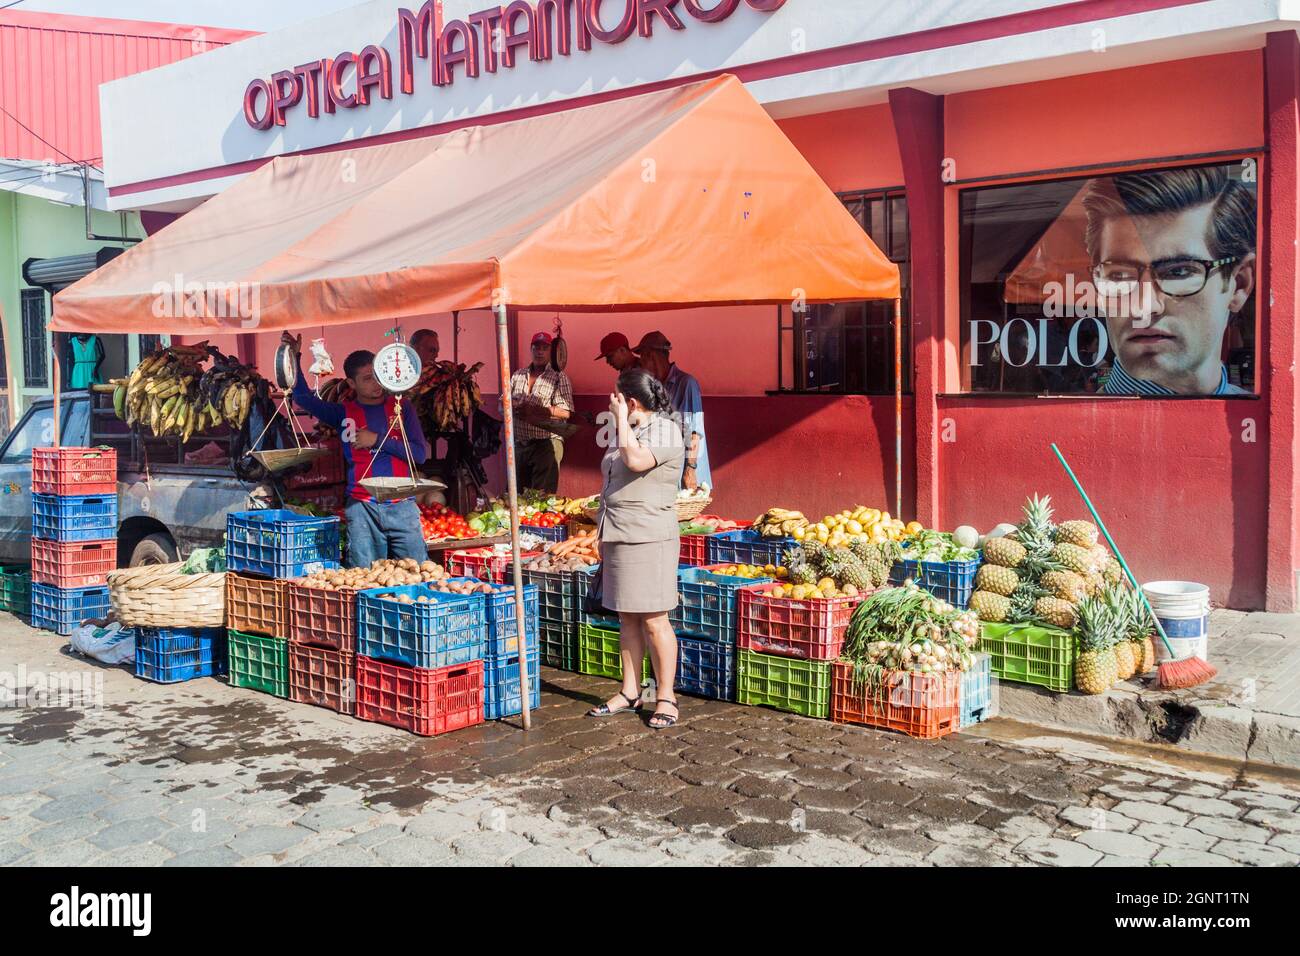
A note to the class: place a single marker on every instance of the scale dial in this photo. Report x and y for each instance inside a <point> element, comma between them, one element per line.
<point>397,367</point>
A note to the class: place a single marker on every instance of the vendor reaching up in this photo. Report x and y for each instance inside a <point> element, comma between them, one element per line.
<point>376,529</point>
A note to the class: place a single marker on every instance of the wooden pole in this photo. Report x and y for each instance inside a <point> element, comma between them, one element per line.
<point>898,409</point>
<point>512,489</point>
<point>58,418</point>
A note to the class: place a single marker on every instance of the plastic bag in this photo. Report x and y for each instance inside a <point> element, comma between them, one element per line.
<point>205,560</point>
<point>113,644</point>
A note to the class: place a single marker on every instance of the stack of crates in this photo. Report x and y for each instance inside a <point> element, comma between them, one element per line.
<point>174,654</point>
<point>559,612</point>
<point>321,627</point>
<point>264,550</point>
<point>420,658</point>
<point>74,535</point>
<point>705,623</point>
<point>502,693</point>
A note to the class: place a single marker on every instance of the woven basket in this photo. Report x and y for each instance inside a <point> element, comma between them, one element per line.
<point>158,595</point>
<point>686,510</point>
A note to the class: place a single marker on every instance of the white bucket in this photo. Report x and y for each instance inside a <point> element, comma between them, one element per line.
<point>1183,609</point>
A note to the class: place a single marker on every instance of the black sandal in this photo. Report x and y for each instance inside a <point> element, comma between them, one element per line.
<point>665,720</point>
<point>633,704</point>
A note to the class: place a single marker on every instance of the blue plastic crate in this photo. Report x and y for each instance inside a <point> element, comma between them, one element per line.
<point>171,655</point>
<point>559,533</point>
<point>74,517</point>
<point>446,630</point>
<point>278,543</point>
<point>62,609</point>
<point>746,547</point>
<point>499,608</point>
<point>706,604</point>
<point>706,668</point>
<point>501,691</point>
<point>976,693</point>
<point>951,581</point>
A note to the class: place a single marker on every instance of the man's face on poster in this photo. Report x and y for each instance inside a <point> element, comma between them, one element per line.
<point>1174,341</point>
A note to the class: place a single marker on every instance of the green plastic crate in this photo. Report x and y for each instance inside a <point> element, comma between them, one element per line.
<point>16,589</point>
<point>1030,654</point>
<point>259,663</point>
<point>559,644</point>
<point>598,652</point>
<point>786,683</point>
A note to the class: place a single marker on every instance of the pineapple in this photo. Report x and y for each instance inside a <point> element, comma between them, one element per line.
<point>999,580</point>
<point>989,606</point>
<point>1112,572</point>
<point>1004,552</point>
<point>1073,558</point>
<point>1080,533</point>
<point>1055,612</point>
<point>1124,661</point>
<point>1100,557</point>
<point>1095,669</point>
<point>1023,600</point>
<point>800,571</point>
<point>1036,531</point>
<point>1148,655</point>
<point>1066,585</point>
<point>853,571</point>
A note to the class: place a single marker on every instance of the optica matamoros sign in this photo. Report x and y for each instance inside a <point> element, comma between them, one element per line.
<point>483,42</point>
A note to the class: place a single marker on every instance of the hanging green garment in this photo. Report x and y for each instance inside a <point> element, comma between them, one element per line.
<point>86,357</point>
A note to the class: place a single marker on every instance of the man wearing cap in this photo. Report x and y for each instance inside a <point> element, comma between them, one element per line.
<point>688,404</point>
<point>539,393</point>
<point>616,350</point>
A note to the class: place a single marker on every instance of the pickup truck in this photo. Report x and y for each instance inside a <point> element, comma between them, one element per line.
<point>166,507</point>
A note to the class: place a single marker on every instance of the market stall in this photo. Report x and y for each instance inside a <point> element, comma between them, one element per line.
<point>685,197</point>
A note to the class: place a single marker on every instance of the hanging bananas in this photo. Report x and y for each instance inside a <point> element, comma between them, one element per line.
<point>172,394</point>
<point>447,394</point>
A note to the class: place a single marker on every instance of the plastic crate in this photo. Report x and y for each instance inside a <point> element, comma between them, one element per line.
<point>706,668</point>
<point>76,518</point>
<point>323,676</point>
<point>73,564</point>
<point>1030,654</point>
<point>603,618</point>
<point>559,533</point>
<point>785,683</point>
<point>322,617</point>
<point>424,701</point>
<point>706,603</point>
<point>74,471</point>
<point>746,547</point>
<point>556,596</point>
<point>599,652</point>
<point>448,629</point>
<point>502,695</point>
<point>500,611</point>
<point>171,655</point>
<point>484,564</point>
<point>951,581</point>
<point>62,609</point>
<point>976,696</point>
<point>919,705</point>
<point>277,543</point>
<point>259,663</point>
<point>329,469</point>
<point>257,605</point>
<point>695,547</point>
<point>811,630</point>
<point>16,589</point>
<point>559,645</point>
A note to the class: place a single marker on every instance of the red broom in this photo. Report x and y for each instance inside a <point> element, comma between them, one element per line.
<point>1188,672</point>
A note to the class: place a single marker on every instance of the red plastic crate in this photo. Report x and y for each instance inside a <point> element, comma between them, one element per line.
<point>322,617</point>
<point>424,701</point>
<point>810,630</point>
<point>323,676</point>
<point>486,564</point>
<point>73,564</point>
<point>74,471</point>
<point>329,469</point>
<point>695,546</point>
<point>257,605</point>
<point>919,705</point>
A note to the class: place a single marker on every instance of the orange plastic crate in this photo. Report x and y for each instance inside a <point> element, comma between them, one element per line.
<point>73,564</point>
<point>919,705</point>
<point>323,618</point>
<point>74,471</point>
<point>810,630</point>
<point>257,605</point>
<point>425,701</point>
<point>323,676</point>
<point>486,564</point>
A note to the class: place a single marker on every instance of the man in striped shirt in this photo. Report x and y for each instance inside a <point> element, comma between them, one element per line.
<point>539,394</point>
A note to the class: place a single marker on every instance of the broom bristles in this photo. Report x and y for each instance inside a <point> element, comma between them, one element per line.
<point>1188,672</point>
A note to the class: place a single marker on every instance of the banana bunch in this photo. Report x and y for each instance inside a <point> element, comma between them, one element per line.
<point>172,394</point>
<point>779,523</point>
<point>448,394</point>
<point>336,390</point>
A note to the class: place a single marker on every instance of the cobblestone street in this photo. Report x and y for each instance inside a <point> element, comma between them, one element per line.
<point>200,773</point>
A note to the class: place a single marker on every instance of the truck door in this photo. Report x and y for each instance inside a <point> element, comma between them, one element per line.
<point>35,430</point>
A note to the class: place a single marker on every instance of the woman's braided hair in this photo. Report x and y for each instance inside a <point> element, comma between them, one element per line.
<point>646,389</point>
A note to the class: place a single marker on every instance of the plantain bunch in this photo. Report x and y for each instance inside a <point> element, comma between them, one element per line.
<point>779,522</point>
<point>171,393</point>
<point>447,394</point>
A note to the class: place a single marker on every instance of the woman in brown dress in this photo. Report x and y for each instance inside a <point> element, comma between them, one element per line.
<point>639,541</point>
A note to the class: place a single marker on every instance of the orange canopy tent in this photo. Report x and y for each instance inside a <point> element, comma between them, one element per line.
<point>682,197</point>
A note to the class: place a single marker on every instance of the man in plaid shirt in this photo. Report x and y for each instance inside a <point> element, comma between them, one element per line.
<point>539,393</point>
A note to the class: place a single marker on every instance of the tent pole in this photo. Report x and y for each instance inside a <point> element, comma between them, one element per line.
<point>58,418</point>
<point>512,488</point>
<point>898,408</point>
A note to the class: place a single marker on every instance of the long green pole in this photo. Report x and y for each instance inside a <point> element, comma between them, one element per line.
<point>1111,541</point>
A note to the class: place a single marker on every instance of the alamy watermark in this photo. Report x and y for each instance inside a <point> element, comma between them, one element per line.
<point>222,300</point>
<point>23,688</point>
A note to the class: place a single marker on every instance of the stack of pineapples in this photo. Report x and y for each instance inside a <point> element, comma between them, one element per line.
<point>1114,631</point>
<point>1041,571</point>
<point>818,571</point>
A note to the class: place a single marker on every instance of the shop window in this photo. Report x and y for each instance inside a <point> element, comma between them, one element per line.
<point>36,362</point>
<point>847,348</point>
<point>1134,283</point>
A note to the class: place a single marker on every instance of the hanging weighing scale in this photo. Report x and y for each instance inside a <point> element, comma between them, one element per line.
<point>397,368</point>
<point>276,460</point>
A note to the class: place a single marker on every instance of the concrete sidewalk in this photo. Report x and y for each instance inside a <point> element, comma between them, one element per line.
<point>1250,711</point>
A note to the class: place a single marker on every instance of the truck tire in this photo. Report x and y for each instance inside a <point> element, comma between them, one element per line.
<point>156,548</point>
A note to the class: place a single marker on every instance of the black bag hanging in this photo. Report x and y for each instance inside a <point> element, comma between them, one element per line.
<point>593,600</point>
